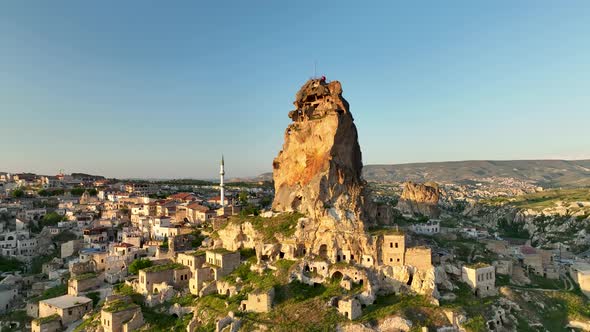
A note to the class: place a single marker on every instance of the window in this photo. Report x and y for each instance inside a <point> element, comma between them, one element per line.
<point>391,245</point>
<point>396,245</point>
<point>391,259</point>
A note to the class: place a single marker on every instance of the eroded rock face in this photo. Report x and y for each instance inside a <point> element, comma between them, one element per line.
<point>320,164</point>
<point>318,172</point>
<point>420,199</point>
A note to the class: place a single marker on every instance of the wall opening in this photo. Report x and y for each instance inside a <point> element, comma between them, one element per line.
<point>337,275</point>
<point>323,251</point>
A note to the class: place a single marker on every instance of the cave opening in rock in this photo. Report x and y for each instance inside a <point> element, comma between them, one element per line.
<point>323,251</point>
<point>337,275</point>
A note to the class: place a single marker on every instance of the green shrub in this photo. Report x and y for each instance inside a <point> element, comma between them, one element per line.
<point>139,264</point>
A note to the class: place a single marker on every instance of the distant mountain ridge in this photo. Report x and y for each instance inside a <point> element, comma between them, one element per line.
<point>545,173</point>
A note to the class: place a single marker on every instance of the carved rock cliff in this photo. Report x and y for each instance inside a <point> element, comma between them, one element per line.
<point>420,199</point>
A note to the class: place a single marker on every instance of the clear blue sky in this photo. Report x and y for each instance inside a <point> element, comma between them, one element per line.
<point>161,89</point>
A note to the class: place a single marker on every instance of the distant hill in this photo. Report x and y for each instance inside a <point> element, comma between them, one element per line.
<point>546,173</point>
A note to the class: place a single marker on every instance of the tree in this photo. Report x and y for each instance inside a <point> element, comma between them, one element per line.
<point>266,201</point>
<point>139,264</point>
<point>10,264</point>
<point>243,197</point>
<point>164,244</point>
<point>93,192</point>
<point>249,210</point>
<point>51,219</point>
<point>49,193</point>
<point>18,193</point>
<point>198,239</point>
<point>77,191</point>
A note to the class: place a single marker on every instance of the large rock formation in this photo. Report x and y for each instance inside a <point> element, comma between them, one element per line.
<point>318,172</point>
<point>420,199</point>
<point>320,164</point>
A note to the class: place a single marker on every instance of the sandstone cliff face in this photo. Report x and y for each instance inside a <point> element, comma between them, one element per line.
<point>318,172</point>
<point>320,164</point>
<point>420,199</point>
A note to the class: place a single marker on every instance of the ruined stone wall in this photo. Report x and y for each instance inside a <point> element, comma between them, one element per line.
<point>225,288</point>
<point>134,323</point>
<point>70,248</point>
<point>75,287</point>
<point>82,267</point>
<point>51,326</point>
<point>201,276</point>
<point>114,321</point>
<point>258,301</point>
<point>419,257</point>
<point>181,242</point>
<point>534,261</point>
<point>350,308</point>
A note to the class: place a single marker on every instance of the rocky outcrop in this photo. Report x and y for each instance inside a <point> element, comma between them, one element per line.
<point>420,199</point>
<point>397,279</point>
<point>320,164</point>
<point>318,171</point>
<point>545,226</point>
<point>392,323</point>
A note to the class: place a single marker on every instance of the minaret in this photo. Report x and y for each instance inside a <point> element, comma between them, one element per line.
<point>221,189</point>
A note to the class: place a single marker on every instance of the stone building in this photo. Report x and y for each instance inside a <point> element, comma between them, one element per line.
<point>504,266</point>
<point>580,272</point>
<point>120,314</point>
<point>394,252</point>
<point>393,248</point>
<point>223,260</point>
<point>173,274</point>
<point>69,308</point>
<point>201,277</point>
<point>50,323</point>
<point>350,308</point>
<point>8,293</point>
<point>259,301</point>
<point>70,248</point>
<point>193,260</point>
<point>419,257</point>
<point>82,283</point>
<point>429,228</point>
<point>481,278</point>
<point>94,255</point>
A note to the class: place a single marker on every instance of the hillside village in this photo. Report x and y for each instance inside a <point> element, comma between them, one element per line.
<point>319,249</point>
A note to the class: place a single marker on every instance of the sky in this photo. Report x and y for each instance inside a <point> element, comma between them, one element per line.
<point>161,89</point>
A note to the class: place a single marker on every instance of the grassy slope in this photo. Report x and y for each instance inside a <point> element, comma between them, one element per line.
<point>544,199</point>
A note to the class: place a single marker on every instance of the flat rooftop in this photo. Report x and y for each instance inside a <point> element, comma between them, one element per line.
<point>67,301</point>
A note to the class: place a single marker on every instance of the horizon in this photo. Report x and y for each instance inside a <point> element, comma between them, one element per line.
<point>131,90</point>
<point>251,177</point>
